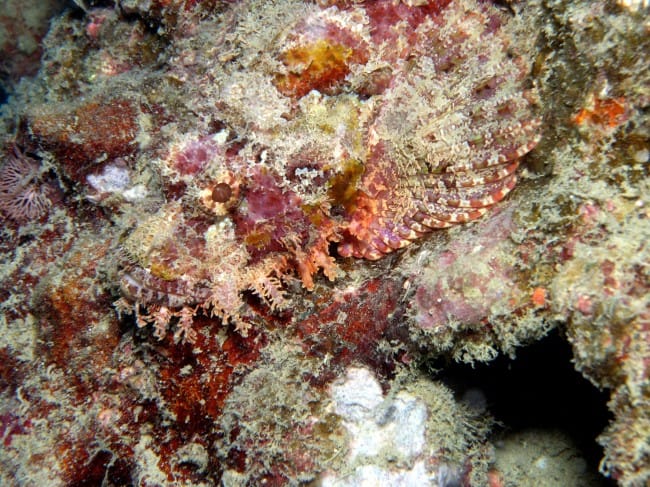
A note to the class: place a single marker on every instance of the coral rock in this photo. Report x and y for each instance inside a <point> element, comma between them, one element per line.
<point>87,133</point>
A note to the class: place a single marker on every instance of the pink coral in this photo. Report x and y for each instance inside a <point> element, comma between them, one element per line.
<point>23,195</point>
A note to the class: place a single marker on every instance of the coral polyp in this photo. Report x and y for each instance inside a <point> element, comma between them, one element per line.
<point>23,193</point>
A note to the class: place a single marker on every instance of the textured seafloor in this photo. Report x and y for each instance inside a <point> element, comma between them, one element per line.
<point>329,243</point>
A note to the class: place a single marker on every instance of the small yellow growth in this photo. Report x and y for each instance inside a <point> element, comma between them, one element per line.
<point>343,187</point>
<point>165,272</point>
<point>258,239</point>
<point>315,66</point>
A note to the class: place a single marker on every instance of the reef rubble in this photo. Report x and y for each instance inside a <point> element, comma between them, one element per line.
<point>244,242</point>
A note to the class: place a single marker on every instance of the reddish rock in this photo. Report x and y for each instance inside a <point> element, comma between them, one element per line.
<point>350,326</point>
<point>77,327</point>
<point>89,133</point>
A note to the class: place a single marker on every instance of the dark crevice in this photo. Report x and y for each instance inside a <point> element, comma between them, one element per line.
<point>540,389</point>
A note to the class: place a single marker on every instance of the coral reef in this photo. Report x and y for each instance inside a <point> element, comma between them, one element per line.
<point>238,235</point>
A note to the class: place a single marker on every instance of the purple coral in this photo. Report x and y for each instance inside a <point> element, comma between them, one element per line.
<point>23,195</point>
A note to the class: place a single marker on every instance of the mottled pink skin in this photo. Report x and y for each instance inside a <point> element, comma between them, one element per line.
<point>271,213</point>
<point>437,306</point>
<point>463,292</point>
<point>384,15</point>
<point>195,156</point>
<point>266,200</point>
